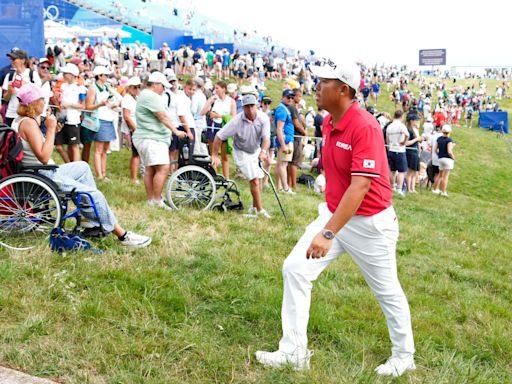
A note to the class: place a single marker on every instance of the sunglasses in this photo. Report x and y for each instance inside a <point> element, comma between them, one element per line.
<point>44,67</point>
<point>266,102</point>
<point>290,97</point>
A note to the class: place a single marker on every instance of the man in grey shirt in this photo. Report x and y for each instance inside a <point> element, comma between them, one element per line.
<point>250,130</point>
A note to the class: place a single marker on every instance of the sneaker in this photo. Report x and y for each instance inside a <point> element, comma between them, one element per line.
<point>299,360</point>
<point>396,366</point>
<point>264,214</point>
<point>445,194</point>
<point>251,211</point>
<point>289,191</point>
<point>436,191</point>
<point>136,241</point>
<point>400,193</point>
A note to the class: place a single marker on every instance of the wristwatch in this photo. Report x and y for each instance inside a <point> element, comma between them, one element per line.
<point>329,235</point>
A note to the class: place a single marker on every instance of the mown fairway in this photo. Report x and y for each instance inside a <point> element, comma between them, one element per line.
<point>197,304</point>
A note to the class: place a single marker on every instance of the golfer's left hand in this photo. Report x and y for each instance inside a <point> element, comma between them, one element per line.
<point>318,247</point>
<point>262,156</point>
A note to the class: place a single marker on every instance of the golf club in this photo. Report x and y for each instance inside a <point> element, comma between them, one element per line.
<point>275,193</point>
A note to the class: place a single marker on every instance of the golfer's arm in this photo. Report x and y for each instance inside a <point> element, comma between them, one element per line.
<point>349,203</point>
<point>265,145</point>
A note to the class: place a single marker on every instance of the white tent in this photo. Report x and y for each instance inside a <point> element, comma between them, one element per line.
<point>82,32</point>
<point>112,32</point>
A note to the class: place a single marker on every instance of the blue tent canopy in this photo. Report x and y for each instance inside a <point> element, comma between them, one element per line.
<point>497,121</point>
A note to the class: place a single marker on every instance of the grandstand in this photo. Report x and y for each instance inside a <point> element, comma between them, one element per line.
<point>181,21</point>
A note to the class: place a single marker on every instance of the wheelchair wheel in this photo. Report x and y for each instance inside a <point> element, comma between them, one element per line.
<point>191,187</point>
<point>29,210</point>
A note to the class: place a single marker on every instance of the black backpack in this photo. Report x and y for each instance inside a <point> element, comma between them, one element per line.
<point>160,55</point>
<point>11,151</point>
<point>185,53</point>
<point>306,179</point>
<point>126,56</point>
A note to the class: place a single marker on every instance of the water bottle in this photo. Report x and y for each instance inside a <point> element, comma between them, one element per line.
<point>185,152</point>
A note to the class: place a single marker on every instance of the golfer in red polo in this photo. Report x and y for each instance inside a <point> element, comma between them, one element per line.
<point>358,218</point>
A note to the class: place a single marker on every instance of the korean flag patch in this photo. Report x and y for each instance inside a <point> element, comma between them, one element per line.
<point>368,163</point>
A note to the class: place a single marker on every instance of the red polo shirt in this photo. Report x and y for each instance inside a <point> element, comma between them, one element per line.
<point>355,147</point>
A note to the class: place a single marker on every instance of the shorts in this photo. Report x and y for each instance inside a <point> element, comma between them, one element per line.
<point>248,164</point>
<point>135,153</point>
<point>106,132</point>
<point>86,135</point>
<point>413,160</point>
<point>241,74</point>
<point>283,157</point>
<point>70,135</point>
<point>446,164</point>
<point>177,143</point>
<point>397,161</point>
<point>152,152</point>
<point>211,132</point>
<point>297,152</point>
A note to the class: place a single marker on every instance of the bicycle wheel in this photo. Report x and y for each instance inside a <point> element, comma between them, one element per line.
<point>29,210</point>
<point>191,187</point>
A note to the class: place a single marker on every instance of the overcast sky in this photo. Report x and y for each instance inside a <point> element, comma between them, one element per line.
<point>393,31</point>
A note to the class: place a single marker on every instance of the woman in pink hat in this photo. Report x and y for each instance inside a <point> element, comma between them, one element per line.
<point>75,175</point>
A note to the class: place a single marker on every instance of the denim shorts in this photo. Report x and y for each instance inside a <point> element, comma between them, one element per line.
<point>106,132</point>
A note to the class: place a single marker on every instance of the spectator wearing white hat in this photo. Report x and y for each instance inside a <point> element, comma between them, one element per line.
<point>71,102</point>
<point>128,107</point>
<point>250,130</point>
<point>153,136</point>
<point>100,100</point>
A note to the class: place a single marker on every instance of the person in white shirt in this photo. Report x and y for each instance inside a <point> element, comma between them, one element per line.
<point>15,79</point>
<point>320,183</point>
<point>72,101</point>
<point>128,107</point>
<point>396,137</point>
<point>198,100</point>
<point>220,106</point>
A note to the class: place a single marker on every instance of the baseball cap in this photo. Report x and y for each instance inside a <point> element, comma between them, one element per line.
<point>446,128</point>
<point>249,99</point>
<point>245,89</point>
<point>347,72</point>
<point>231,87</point>
<point>17,53</point>
<point>133,81</point>
<point>71,69</point>
<point>288,92</point>
<point>100,70</point>
<point>412,116</point>
<point>159,77</point>
<point>30,92</point>
<point>199,82</point>
<point>43,60</point>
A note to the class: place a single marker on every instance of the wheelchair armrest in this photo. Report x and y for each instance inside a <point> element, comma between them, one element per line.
<point>37,168</point>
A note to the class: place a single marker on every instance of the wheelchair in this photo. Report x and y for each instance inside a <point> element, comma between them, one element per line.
<point>196,185</point>
<point>31,205</point>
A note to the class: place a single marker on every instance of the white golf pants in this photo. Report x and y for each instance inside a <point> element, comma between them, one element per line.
<point>371,242</point>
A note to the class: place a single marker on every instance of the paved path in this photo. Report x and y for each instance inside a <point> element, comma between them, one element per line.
<point>10,376</point>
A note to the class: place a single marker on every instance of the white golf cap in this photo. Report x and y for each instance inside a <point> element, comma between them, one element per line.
<point>71,69</point>
<point>133,81</point>
<point>159,77</point>
<point>446,128</point>
<point>100,70</point>
<point>231,87</point>
<point>249,99</point>
<point>347,72</point>
<point>43,60</point>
